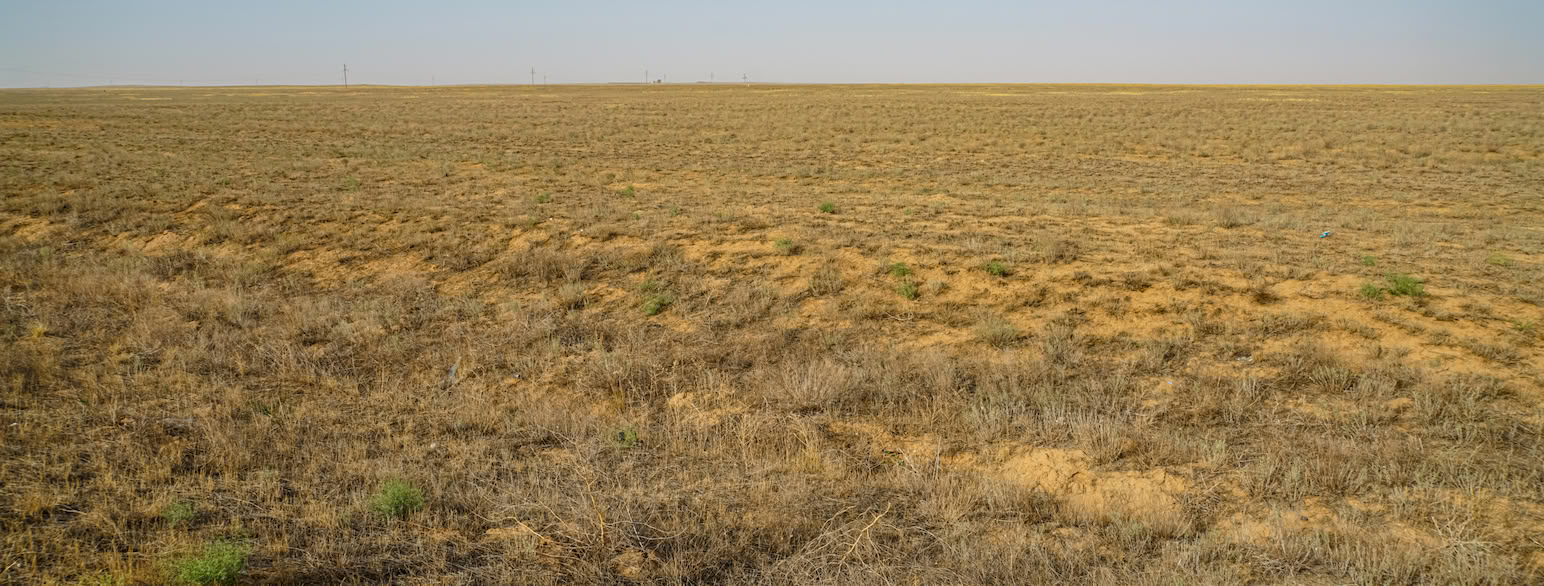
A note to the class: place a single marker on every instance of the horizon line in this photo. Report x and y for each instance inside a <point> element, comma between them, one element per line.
<point>783,83</point>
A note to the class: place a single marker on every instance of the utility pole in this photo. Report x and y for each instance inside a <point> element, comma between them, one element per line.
<point>710,77</point>
<point>544,79</point>
<point>533,75</point>
<point>645,75</point>
<point>345,75</point>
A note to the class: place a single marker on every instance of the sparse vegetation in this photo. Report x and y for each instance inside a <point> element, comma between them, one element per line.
<point>178,513</point>
<point>220,562</point>
<point>827,280</point>
<point>1371,292</point>
<point>827,207</point>
<point>1406,286</point>
<point>228,316</point>
<point>655,298</point>
<point>627,438</point>
<point>998,332</point>
<point>397,499</point>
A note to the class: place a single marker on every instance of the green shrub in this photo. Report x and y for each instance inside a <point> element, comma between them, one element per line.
<point>898,270</point>
<point>396,499</point>
<point>628,191</point>
<point>1368,260</point>
<point>179,513</point>
<point>908,290</point>
<point>785,246</point>
<point>544,198</point>
<point>1406,285</point>
<point>220,562</point>
<point>996,269</point>
<point>1499,260</point>
<point>827,207</point>
<point>1371,292</point>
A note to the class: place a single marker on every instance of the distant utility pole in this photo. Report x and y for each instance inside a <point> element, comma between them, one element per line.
<point>533,76</point>
<point>745,78</point>
<point>645,75</point>
<point>710,77</point>
<point>345,75</point>
<point>544,79</point>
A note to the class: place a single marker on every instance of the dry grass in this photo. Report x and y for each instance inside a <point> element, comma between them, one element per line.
<point>603,334</point>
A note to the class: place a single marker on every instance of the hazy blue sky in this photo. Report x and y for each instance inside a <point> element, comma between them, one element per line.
<point>89,42</point>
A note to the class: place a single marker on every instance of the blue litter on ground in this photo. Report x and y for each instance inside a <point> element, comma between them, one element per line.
<point>1326,234</point>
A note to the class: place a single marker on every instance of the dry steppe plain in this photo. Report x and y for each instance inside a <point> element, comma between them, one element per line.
<point>772,334</point>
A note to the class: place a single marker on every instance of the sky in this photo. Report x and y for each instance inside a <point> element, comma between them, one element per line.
<point>56,43</point>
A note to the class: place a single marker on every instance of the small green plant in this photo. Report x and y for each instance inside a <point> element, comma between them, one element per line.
<point>996,269</point>
<point>351,184</point>
<point>220,562</point>
<point>1523,327</point>
<point>908,290</point>
<point>655,298</point>
<point>675,210</point>
<point>785,246</point>
<point>898,270</point>
<point>1368,260</point>
<point>626,437</point>
<point>655,303</point>
<point>1406,285</point>
<point>1371,292</point>
<point>628,191</point>
<point>396,499</point>
<point>544,198</point>
<point>827,207</point>
<point>1499,260</point>
<point>178,513</point>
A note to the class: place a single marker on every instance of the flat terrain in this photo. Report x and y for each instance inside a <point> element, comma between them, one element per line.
<point>773,334</point>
